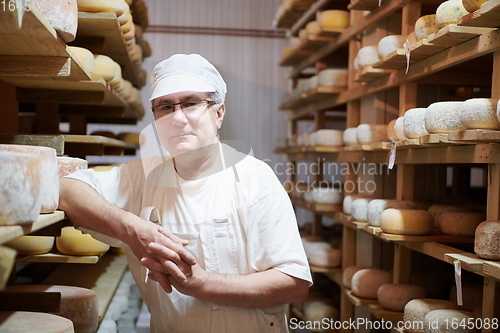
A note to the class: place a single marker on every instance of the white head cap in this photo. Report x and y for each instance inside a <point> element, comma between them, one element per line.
<point>183,72</point>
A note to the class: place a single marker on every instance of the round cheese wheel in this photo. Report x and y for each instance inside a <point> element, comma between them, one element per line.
<point>313,82</point>
<point>391,133</point>
<point>117,79</point>
<point>77,304</point>
<point>33,322</point>
<point>389,44</point>
<point>68,165</point>
<point>333,77</point>
<point>49,178</point>
<point>74,242</point>
<point>20,179</point>
<point>295,42</point>
<point>312,244</point>
<point>350,137</point>
<point>366,282</point>
<point>437,210</point>
<point>368,133</point>
<point>406,221</point>
<point>359,209</point>
<point>136,54</point>
<point>450,321</point>
<point>127,89</point>
<point>472,5</point>
<point>399,129</point>
<point>416,310</point>
<point>326,258</point>
<point>28,245</point>
<point>414,123</point>
<point>326,195</point>
<point>336,19</point>
<point>313,28</point>
<point>303,35</point>
<point>329,137</point>
<point>126,21</point>
<point>346,203</point>
<point>104,67</point>
<point>487,240</point>
<point>97,6</point>
<point>449,12</point>
<point>320,309</point>
<point>462,224</point>
<point>348,273</point>
<point>443,117</point>
<point>62,15</point>
<point>377,206</point>
<point>367,56</point>
<point>394,297</point>
<point>130,36</point>
<point>83,56</point>
<point>425,26</point>
<point>480,113</point>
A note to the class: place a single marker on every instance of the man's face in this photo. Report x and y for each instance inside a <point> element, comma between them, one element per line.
<point>180,131</point>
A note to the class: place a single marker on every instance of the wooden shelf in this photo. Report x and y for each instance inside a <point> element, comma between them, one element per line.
<point>358,301</point>
<point>294,58</point>
<point>486,16</point>
<point>314,43</point>
<point>334,274</point>
<point>322,92</point>
<point>291,16</point>
<point>8,233</point>
<point>476,136</point>
<point>388,315</point>
<point>103,277</point>
<point>307,16</point>
<point>393,60</point>
<point>8,259</point>
<point>316,207</point>
<point>454,35</point>
<point>58,258</point>
<point>363,4</point>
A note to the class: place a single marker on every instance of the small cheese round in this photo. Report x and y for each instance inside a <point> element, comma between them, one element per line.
<point>449,12</point>
<point>336,19</point>
<point>443,117</point>
<point>367,56</point>
<point>377,206</point>
<point>333,77</point>
<point>329,137</point>
<point>416,310</point>
<point>125,17</point>
<point>480,113</point>
<point>313,82</point>
<point>33,322</point>
<point>394,297</point>
<point>326,195</point>
<point>450,321</point>
<point>461,224</point>
<point>97,6</point>
<point>391,133</point>
<point>366,282</point>
<point>347,202</point>
<point>68,165</point>
<point>472,5</point>
<point>399,129</point>
<point>83,56</point>
<point>313,28</point>
<point>425,26</point>
<point>389,44</point>
<point>348,273</point>
<point>303,35</point>
<point>487,240</point>
<point>406,221</point>
<point>320,309</point>
<point>414,123</point>
<point>349,136</point>
<point>126,22</point>
<point>437,210</point>
<point>369,133</point>
<point>74,242</point>
<point>326,258</point>
<point>28,245</point>
<point>129,36</point>
<point>359,209</point>
<point>104,67</point>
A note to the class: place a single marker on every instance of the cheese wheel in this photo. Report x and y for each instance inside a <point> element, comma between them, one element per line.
<point>487,240</point>
<point>348,273</point>
<point>73,242</point>
<point>460,224</point>
<point>451,321</point>
<point>117,79</point>
<point>391,133</point>
<point>62,15</point>
<point>366,282</point>
<point>367,56</point>
<point>136,54</point>
<point>333,77</point>
<point>346,203</point>
<point>20,184</point>
<point>126,21</point>
<point>313,28</point>
<point>129,36</point>
<point>377,206</point>
<point>97,6</point>
<point>336,19</point>
<point>425,26</point>
<point>406,221</point>
<point>472,5</point>
<point>49,179</point>
<point>368,133</point>
<point>84,57</point>
<point>313,82</point>
<point>127,89</point>
<point>472,296</point>
<point>295,42</point>
<point>29,245</point>
<point>33,322</point>
<point>480,113</point>
<point>414,123</point>
<point>326,195</point>
<point>329,137</point>
<point>326,258</point>
<point>394,297</point>
<point>416,310</point>
<point>389,44</point>
<point>449,12</point>
<point>312,244</point>
<point>77,304</point>
<point>319,310</point>
<point>399,129</point>
<point>303,36</point>
<point>443,117</point>
<point>437,210</point>
<point>104,67</point>
<point>67,165</point>
<point>349,136</point>
<point>359,209</point>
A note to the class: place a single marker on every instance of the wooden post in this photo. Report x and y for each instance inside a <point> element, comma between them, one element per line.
<point>10,109</point>
<point>47,118</point>
<point>77,124</point>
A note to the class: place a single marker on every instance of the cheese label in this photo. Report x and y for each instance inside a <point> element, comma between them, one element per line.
<point>392,156</point>
<point>458,281</point>
<point>406,46</point>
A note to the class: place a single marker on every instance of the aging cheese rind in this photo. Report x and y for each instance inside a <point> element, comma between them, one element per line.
<point>406,222</point>
<point>33,322</point>
<point>480,113</point>
<point>443,117</point>
<point>449,12</point>
<point>366,282</point>
<point>487,240</point>
<point>416,310</point>
<point>394,297</point>
<point>414,123</point>
<point>425,26</point>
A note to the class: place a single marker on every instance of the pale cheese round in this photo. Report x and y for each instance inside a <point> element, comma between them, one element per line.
<point>333,77</point>
<point>480,113</point>
<point>472,5</point>
<point>136,54</point>
<point>487,240</point>
<point>74,242</point>
<point>328,257</point>
<point>366,282</point>
<point>68,165</point>
<point>416,310</point>
<point>320,309</point>
<point>367,56</point>
<point>369,133</point>
<point>336,19</point>
<point>312,244</point>
<point>62,15</point>
<point>394,297</point>
<point>391,133</point>
<point>399,129</point>
<point>104,67</point>
<point>303,35</point>
<point>349,136</point>
<point>83,56</point>
<point>451,321</point>
<point>389,44</point>
<point>326,195</point>
<point>359,209</point>
<point>313,82</point>
<point>129,36</point>
<point>348,273</point>
<point>313,28</point>
<point>29,245</point>
<point>347,202</point>
<point>295,43</point>
<point>414,123</point>
<point>443,117</point>
<point>33,322</point>
<point>329,137</point>
<point>377,206</point>
<point>449,12</point>
<point>406,222</point>
<point>97,6</point>
<point>425,26</point>
<point>126,22</point>
<point>462,224</point>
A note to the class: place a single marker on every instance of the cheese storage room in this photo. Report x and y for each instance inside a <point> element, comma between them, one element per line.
<point>248,166</point>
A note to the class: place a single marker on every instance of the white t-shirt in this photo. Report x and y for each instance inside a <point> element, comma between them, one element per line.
<point>238,221</point>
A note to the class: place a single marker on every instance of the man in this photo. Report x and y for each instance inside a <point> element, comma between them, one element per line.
<point>227,257</point>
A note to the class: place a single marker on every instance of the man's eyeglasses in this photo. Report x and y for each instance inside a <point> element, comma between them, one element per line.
<point>189,107</point>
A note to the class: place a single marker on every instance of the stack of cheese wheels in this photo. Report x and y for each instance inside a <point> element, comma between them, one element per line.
<point>406,222</point>
<point>326,195</point>
<point>487,240</point>
<point>480,113</point>
<point>313,28</point>
<point>399,129</point>
<point>367,56</point>
<point>369,133</point>
<point>29,245</point>
<point>472,296</point>
<point>416,310</point>
<point>327,257</point>
<point>450,321</point>
<point>461,224</point>
<point>347,202</point>
<point>425,26</point>
<point>394,297</point>
<point>359,209</point>
<point>20,184</point>
<point>391,132</point>
<point>84,57</point>
<point>33,322</point>
<point>390,44</point>
<point>49,179</point>
<point>77,304</point>
<point>62,15</point>
<point>472,5</point>
<point>68,165</point>
<point>443,117</point>
<point>108,6</point>
<point>449,12</point>
<point>377,206</point>
<point>125,18</point>
<point>437,210</point>
<point>349,136</point>
<point>348,273</point>
<point>333,19</point>
<point>414,123</point>
<point>366,282</point>
<point>319,309</point>
<point>329,137</point>
<point>74,242</point>
<point>333,78</point>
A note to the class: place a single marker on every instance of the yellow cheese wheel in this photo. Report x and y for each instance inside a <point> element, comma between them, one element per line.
<point>449,12</point>
<point>416,310</point>
<point>27,245</point>
<point>394,297</point>
<point>126,22</point>
<point>136,54</point>
<point>461,224</point>
<point>73,242</point>
<point>84,57</point>
<point>425,26</point>
<point>337,19</point>
<point>33,322</point>
<point>97,6</point>
<point>126,16</point>
<point>472,5</point>
<point>487,240</point>
<point>366,282</point>
<point>104,67</point>
<point>313,28</point>
<point>117,79</point>
<point>406,221</point>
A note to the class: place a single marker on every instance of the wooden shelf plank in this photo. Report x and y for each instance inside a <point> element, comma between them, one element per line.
<point>322,92</point>
<point>291,16</point>
<point>295,58</point>
<point>369,73</point>
<point>424,49</point>
<point>316,207</point>
<point>393,60</point>
<point>426,238</point>
<point>363,4</point>
<point>7,261</point>
<point>358,301</point>
<point>380,313</point>
<point>103,277</point>
<point>58,258</point>
<point>314,43</point>
<point>330,32</point>
<point>8,233</point>
<point>486,16</point>
<point>436,139</point>
<point>454,35</point>
<point>334,274</point>
<point>469,262</point>
<point>475,136</point>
